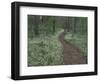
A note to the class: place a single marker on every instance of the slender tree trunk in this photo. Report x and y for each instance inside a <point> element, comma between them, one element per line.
<point>66,25</point>
<point>36,23</point>
<point>54,25</point>
<point>73,26</point>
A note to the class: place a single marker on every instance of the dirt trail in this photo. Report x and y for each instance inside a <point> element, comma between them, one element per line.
<point>72,55</point>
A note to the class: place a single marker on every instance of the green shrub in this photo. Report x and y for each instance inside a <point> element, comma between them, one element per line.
<point>45,50</point>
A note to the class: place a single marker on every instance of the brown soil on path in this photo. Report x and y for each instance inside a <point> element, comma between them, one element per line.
<point>72,55</point>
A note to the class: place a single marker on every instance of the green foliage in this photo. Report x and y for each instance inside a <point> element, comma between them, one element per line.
<point>45,50</point>
<point>44,47</point>
<point>80,41</point>
<point>78,33</point>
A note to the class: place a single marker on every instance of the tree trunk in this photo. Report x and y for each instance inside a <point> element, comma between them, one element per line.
<point>36,24</point>
<point>54,25</point>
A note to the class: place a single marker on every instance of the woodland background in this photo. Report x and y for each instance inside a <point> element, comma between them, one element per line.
<point>44,47</point>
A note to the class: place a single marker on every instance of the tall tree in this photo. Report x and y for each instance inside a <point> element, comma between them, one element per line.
<point>36,24</point>
<point>53,24</point>
<point>66,24</point>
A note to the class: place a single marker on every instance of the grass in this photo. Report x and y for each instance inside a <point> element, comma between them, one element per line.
<point>80,41</point>
<point>45,50</point>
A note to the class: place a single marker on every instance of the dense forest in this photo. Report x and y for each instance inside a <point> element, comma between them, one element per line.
<point>44,47</point>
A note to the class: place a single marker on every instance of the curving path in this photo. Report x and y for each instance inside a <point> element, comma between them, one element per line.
<point>72,55</point>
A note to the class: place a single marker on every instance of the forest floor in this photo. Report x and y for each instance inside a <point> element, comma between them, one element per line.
<point>72,54</point>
